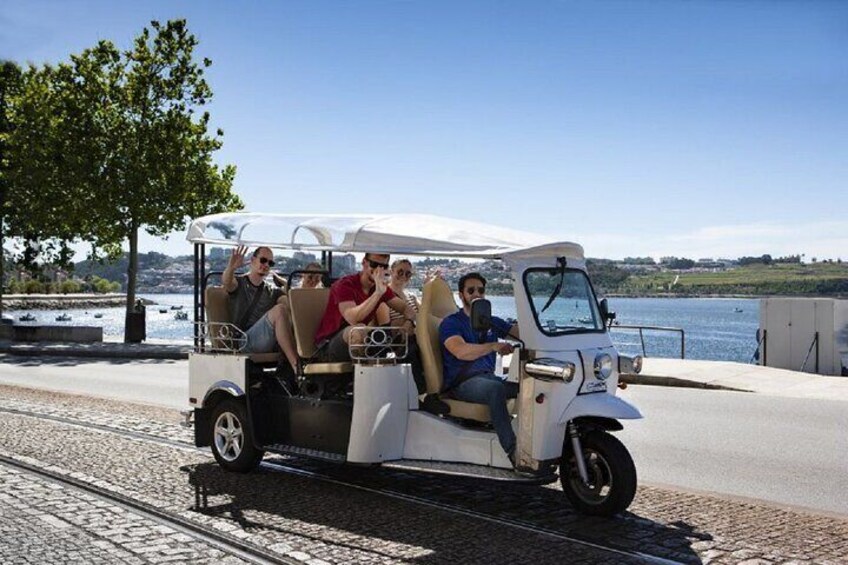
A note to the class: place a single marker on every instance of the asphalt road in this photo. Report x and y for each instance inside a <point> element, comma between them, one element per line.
<point>154,382</point>
<point>784,450</point>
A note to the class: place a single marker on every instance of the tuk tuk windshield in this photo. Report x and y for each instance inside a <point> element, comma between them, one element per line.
<point>562,301</point>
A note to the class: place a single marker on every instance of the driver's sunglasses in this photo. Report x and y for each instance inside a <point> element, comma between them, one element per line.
<point>481,290</point>
<point>263,260</point>
<point>404,274</point>
<point>375,264</point>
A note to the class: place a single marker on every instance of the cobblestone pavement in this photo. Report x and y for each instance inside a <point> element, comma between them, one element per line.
<point>319,522</point>
<point>42,522</point>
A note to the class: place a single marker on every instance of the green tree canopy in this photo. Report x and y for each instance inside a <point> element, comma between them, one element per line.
<point>114,142</point>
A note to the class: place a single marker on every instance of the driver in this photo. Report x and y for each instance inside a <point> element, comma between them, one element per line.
<point>469,361</point>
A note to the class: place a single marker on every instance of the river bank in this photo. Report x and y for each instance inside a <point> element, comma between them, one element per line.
<point>65,301</point>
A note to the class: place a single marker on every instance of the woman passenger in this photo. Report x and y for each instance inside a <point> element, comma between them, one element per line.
<point>312,277</point>
<point>401,274</point>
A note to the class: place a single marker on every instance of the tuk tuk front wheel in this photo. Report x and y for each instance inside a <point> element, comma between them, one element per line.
<point>232,437</point>
<point>611,472</point>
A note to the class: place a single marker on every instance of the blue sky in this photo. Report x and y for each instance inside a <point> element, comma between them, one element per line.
<point>687,128</point>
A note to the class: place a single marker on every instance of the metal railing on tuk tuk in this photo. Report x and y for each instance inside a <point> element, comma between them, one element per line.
<point>642,329</point>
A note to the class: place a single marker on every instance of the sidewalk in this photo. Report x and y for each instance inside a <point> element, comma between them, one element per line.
<point>727,375</point>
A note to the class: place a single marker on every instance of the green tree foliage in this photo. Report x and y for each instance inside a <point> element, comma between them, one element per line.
<point>114,142</point>
<point>678,263</point>
<point>639,261</point>
<point>605,275</point>
<point>70,287</point>
<point>762,260</point>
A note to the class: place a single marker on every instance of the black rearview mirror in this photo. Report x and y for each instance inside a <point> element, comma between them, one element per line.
<point>605,311</point>
<point>481,315</point>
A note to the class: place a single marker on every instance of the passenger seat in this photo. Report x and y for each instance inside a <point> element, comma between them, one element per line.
<point>218,311</point>
<point>307,308</point>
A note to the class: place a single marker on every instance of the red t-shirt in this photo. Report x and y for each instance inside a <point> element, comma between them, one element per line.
<point>346,289</point>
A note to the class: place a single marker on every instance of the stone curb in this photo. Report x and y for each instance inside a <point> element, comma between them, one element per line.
<point>652,380</point>
<point>130,352</point>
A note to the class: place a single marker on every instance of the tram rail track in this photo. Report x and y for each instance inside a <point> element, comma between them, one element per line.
<point>218,540</point>
<point>256,554</point>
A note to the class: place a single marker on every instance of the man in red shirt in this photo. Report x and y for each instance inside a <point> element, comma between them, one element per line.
<point>359,299</point>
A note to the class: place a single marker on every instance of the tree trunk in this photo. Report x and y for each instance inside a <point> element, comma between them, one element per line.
<point>132,274</point>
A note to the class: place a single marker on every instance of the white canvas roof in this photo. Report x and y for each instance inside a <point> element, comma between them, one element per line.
<point>405,234</point>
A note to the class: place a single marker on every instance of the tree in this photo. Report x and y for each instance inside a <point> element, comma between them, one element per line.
<point>114,142</point>
<point>10,81</point>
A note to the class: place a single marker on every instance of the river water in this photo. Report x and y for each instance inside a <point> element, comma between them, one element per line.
<point>715,328</point>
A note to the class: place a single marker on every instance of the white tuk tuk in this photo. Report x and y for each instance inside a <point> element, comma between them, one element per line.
<point>369,411</point>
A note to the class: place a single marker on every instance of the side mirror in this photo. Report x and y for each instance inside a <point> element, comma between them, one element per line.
<point>481,315</point>
<point>605,311</point>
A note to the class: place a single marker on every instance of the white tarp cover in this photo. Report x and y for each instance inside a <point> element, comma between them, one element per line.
<point>407,234</point>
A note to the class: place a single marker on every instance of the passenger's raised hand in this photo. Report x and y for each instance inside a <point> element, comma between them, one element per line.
<point>237,257</point>
<point>434,273</point>
<point>378,275</point>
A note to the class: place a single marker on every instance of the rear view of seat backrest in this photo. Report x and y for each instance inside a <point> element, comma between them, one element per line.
<point>436,303</point>
<point>307,309</point>
<point>218,311</point>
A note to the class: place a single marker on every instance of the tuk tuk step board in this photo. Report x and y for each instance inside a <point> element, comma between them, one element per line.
<point>467,470</point>
<point>305,452</point>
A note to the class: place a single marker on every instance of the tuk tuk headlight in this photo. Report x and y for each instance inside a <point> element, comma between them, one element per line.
<point>629,365</point>
<point>603,366</point>
<point>568,371</point>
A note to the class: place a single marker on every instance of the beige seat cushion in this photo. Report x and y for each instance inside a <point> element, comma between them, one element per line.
<point>307,306</point>
<point>217,311</point>
<point>328,368</point>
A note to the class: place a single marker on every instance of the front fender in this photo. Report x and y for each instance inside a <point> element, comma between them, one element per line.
<point>604,405</point>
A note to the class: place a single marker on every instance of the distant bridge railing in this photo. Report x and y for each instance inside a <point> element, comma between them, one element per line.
<point>642,329</point>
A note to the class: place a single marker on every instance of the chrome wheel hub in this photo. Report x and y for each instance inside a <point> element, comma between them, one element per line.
<point>229,436</point>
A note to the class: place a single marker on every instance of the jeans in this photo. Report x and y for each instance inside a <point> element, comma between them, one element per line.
<point>492,391</point>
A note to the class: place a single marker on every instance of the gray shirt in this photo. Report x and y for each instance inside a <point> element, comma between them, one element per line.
<point>242,297</point>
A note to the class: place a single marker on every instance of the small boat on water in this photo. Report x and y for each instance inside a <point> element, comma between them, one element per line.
<point>63,318</point>
<point>98,316</point>
<point>163,310</point>
<point>181,316</point>
<point>27,318</point>
<point>177,307</point>
<point>738,310</point>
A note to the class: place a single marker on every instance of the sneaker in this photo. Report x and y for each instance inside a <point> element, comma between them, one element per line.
<point>527,471</point>
<point>434,405</point>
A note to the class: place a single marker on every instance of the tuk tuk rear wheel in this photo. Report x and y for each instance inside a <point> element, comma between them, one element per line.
<point>232,437</point>
<point>611,472</point>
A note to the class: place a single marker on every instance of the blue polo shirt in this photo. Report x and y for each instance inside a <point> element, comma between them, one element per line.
<point>460,324</point>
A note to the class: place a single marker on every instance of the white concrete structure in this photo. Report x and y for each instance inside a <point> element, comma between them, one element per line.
<point>809,334</point>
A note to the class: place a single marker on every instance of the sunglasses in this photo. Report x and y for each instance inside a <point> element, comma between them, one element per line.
<point>375,264</point>
<point>404,274</point>
<point>263,260</point>
<point>475,290</point>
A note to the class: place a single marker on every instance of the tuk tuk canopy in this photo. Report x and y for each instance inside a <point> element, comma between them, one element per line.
<point>404,234</point>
